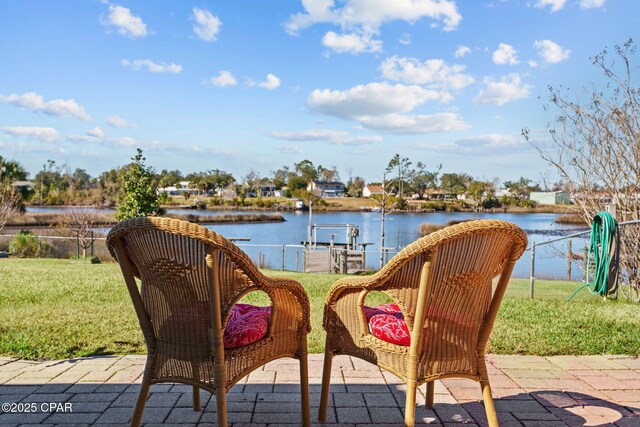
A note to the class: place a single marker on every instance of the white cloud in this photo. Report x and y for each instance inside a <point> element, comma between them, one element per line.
<point>96,132</point>
<point>360,20</point>
<point>555,5</point>
<point>380,106</point>
<point>152,67</point>
<point>118,122</point>
<point>271,82</point>
<point>336,137</point>
<point>433,72</point>
<point>533,64</point>
<point>46,134</point>
<point>207,25</point>
<point>126,24</point>
<point>551,52</point>
<point>56,107</point>
<point>409,124</point>
<point>589,4</point>
<point>509,88</point>
<point>353,43</point>
<point>461,51</point>
<point>374,99</point>
<point>224,78</point>
<point>370,14</point>
<point>505,55</point>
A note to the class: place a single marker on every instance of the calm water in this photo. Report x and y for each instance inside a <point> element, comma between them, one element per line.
<point>401,229</point>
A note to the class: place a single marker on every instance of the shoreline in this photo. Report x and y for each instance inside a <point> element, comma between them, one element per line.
<point>42,220</point>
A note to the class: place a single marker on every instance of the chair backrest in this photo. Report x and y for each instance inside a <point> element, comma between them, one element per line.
<point>190,278</point>
<point>445,281</point>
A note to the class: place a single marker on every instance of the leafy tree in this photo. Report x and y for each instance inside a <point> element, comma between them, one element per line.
<point>401,165</point>
<point>306,171</point>
<point>478,189</point>
<point>328,175</point>
<point>355,186</point>
<point>280,177</point>
<point>422,180</point>
<point>140,196</point>
<point>455,183</point>
<point>80,179</point>
<point>521,188</point>
<point>167,178</point>
<point>11,200</point>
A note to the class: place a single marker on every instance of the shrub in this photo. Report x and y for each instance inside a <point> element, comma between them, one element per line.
<point>438,206</point>
<point>26,245</point>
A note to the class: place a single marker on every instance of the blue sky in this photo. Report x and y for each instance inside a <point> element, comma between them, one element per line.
<point>255,85</point>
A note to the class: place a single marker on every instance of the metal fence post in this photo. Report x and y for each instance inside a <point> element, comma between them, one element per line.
<point>282,258</point>
<point>569,257</point>
<point>533,267</point>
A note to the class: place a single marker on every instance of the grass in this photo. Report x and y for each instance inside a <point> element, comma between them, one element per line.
<point>51,309</point>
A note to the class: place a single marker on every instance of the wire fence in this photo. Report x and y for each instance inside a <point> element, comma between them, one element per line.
<point>562,259</point>
<point>565,260</point>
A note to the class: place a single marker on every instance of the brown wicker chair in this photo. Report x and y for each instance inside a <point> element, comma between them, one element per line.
<point>443,285</point>
<point>190,279</point>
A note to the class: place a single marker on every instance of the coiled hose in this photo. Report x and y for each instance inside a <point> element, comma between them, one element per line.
<point>603,233</point>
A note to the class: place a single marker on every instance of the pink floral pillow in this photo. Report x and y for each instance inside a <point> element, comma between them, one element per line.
<point>386,322</point>
<point>246,324</point>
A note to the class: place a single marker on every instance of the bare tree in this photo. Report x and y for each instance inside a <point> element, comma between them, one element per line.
<point>78,226</point>
<point>595,147</point>
<point>595,141</point>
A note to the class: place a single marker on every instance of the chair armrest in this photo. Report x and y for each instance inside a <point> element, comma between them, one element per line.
<point>288,297</point>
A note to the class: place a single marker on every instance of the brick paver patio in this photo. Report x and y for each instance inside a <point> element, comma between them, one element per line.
<point>529,391</point>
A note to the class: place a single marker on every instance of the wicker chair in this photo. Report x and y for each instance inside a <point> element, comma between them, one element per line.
<point>446,300</point>
<point>190,280</point>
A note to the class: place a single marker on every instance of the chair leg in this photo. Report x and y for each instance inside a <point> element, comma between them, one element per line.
<point>430,392</point>
<point>489,407</point>
<point>142,400</point>
<point>221,406</point>
<point>326,383</point>
<point>410,404</point>
<point>304,383</point>
<point>196,398</point>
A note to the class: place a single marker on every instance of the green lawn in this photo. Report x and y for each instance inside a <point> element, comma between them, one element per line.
<point>65,308</point>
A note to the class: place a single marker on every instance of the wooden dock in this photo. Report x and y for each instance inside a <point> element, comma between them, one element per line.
<point>326,261</point>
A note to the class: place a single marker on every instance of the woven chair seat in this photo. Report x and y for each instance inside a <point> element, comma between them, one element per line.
<point>246,324</point>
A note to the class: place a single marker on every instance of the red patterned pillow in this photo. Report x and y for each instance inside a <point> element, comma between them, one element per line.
<point>246,324</point>
<point>386,322</point>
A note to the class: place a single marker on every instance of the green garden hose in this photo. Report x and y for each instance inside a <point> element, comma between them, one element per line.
<point>603,232</point>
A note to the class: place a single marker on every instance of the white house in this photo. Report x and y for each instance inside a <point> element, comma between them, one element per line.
<point>178,189</point>
<point>550,197</point>
<point>327,189</point>
<point>372,190</point>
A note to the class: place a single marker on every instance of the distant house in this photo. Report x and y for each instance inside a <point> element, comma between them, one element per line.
<point>502,192</point>
<point>178,189</point>
<point>267,190</point>
<point>327,189</point>
<point>23,184</point>
<point>372,190</point>
<point>550,197</point>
